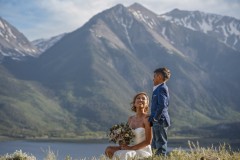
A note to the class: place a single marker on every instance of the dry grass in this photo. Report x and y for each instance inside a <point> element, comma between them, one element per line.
<point>195,152</point>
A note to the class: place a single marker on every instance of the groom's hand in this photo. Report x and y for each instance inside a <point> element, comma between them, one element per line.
<point>150,120</point>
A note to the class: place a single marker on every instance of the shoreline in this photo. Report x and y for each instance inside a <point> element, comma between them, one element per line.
<point>56,139</point>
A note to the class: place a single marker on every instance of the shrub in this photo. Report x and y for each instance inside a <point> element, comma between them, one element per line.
<point>18,155</point>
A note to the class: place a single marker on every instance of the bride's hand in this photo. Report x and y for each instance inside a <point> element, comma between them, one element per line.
<point>125,147</point>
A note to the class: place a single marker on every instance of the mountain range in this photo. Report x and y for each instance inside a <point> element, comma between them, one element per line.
<point>85,80</point>
<point>13,43</point>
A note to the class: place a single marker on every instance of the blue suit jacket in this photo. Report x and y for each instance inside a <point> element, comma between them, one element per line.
<point>159,105</point>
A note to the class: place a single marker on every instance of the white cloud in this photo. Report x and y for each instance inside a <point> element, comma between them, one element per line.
<point>52,17</point>
<point>66,16</point>
<point>72,12</point>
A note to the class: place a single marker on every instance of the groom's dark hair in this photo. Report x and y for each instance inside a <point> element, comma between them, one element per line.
<point>165,72</point>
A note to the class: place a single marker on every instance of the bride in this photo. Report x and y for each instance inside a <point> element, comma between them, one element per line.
<point>141,147</point>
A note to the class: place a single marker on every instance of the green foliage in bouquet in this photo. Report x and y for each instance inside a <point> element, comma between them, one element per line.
<point>121,134</point>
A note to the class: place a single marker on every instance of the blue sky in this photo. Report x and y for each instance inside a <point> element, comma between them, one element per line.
<point>46,18</point>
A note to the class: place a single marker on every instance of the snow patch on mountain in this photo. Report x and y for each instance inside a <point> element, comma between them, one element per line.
<point>143,15</point>
<point>13,43</point>
<point>225,29</point>
<point>44,44</point>
<point>144,18</point>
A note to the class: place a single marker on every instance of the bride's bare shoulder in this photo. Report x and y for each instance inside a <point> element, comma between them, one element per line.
<point>146,116</point>
<point>130,118</point>
<point>145,119</point>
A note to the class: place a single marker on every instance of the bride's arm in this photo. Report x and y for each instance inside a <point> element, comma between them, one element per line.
<point>148,140</point>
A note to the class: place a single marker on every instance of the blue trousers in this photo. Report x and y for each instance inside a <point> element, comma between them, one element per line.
<point>159,141</point>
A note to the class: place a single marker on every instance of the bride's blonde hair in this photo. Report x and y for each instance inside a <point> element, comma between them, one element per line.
<point>133,107</point>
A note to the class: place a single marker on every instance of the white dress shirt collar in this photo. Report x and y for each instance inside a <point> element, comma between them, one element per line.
<point>155,87</point>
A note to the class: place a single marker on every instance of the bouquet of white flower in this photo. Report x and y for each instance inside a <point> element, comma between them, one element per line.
<point>121,134</point>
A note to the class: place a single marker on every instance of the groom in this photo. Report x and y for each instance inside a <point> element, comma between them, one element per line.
<point>159,117</point>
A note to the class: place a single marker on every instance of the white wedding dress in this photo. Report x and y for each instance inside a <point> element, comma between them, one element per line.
<point>135,154</point>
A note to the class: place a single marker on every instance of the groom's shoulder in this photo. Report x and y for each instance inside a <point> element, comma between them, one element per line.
<point>162,88</point>
<point>164,85</point>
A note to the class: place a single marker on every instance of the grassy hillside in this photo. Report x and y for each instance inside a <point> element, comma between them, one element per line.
<point>28,109</point>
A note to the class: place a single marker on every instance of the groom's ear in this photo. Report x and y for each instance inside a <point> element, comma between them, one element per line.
<point>161,76</point>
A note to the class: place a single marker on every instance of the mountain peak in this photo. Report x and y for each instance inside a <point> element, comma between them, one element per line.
<point>177,13</point>
<point>118,6</point>
<point>13,43</point>
<point>117,9</point>
<point>44,44</point>
<point>136,7</point>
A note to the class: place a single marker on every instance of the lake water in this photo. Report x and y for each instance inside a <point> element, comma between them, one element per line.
<point>61,149</point>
